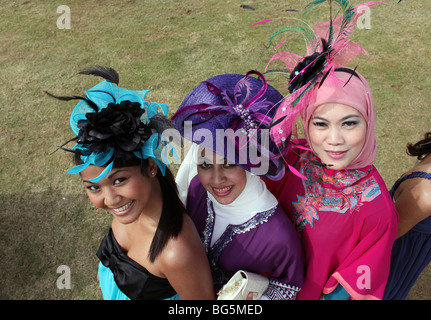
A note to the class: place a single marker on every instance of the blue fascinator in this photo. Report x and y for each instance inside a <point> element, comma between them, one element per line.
<point>112,123</point>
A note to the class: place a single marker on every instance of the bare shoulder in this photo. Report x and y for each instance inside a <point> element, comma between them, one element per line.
<point>185,264</point>
<point>415,193</point>
<point>121,235</point>
<point>422,192</point>
<point>183,249</point>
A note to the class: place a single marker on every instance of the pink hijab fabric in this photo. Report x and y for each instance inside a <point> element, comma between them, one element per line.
<point>356,94</point>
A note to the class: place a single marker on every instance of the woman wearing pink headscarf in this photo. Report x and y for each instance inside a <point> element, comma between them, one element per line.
<point>341,206</point>
<point>333,193</point>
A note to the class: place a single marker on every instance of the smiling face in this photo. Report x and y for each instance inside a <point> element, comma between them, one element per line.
<point>223,180</point>
<point>337,134</point>
<point>125,193</point>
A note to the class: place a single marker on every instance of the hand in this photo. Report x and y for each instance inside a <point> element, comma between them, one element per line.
<point>251,296</point>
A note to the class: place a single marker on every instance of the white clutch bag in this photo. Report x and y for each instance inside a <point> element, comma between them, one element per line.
<point>241,284</point>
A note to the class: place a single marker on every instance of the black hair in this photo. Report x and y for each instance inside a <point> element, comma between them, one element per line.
<point>171,219</point>
<point>421,147</point>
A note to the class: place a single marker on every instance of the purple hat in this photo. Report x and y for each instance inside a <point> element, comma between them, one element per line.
<point>231,114</point>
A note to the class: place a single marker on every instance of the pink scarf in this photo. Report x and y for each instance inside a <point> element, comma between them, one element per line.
<point>356,94</point>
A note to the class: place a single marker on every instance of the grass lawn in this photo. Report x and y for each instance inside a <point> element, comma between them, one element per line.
<point>167,46</point>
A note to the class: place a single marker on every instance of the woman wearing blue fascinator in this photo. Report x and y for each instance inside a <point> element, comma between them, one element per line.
<point>152,250</point>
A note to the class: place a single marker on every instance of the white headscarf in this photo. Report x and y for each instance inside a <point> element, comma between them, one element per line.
<point>253,199</point>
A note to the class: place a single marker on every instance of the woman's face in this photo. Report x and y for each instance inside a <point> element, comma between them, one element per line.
<point>125,193</point>
<point>337,134</point>
<point>224,180</point>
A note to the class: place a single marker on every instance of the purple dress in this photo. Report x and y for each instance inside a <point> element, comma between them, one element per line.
<point>266,244</point>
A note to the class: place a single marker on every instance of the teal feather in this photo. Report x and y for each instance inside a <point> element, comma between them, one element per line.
<point>314,3</point>
<point>307,32</point>
<point>347,12</point>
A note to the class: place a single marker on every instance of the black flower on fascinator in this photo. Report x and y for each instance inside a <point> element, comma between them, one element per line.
<point>111,122</point>
<point>115,127</point>
<point>307,69</point>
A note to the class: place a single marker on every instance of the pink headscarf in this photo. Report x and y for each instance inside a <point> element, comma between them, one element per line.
<point>356,94</point>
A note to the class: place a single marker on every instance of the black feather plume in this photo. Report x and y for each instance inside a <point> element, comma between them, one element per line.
<point>64,98</point>
<point>247,7</point>
<point>68,98</point>
<point>105,72</point>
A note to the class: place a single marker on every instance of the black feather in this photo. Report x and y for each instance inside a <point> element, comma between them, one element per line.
<point>276,122</point>
<point>105,72</point>
<point>321,164</point>
<point>66,149</point>
<point>247,7</point>
<point>68,98</point>
<point>324,77</point>
<point>352,73</point>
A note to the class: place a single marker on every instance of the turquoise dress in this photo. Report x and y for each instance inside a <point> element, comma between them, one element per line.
<point>121,278</point>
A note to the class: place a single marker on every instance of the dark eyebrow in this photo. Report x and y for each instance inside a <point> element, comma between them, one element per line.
<point>343,119</point>
<point>318,118</point>
<point>351,116</point>
<point>110,176</point>
<point>115,172</point>
<point>203,160</point>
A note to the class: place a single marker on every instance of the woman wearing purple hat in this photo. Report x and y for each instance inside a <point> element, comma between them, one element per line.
<point>238,219</point>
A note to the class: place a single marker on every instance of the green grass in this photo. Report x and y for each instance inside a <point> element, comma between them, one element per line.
<point>168,47</point>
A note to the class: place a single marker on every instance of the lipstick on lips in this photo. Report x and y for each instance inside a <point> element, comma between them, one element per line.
<point>124,209</point>
<point>336,155</point>
<point>222,192</point>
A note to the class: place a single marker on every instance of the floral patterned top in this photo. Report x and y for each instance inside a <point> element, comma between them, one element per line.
<point>347,223</point>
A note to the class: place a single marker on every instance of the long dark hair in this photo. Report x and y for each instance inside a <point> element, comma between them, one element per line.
<point>422,147</point>
<point>171,219</point>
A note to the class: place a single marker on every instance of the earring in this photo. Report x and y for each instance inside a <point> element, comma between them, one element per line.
<point>152,173</point>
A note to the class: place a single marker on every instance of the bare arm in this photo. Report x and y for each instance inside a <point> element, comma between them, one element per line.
<point>413,204</point>
<point>185,265</point>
